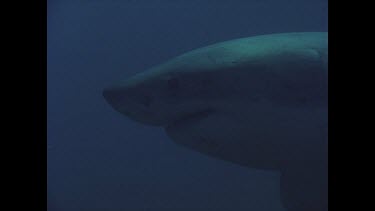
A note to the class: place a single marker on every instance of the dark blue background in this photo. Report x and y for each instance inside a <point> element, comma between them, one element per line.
<point>100,160</point>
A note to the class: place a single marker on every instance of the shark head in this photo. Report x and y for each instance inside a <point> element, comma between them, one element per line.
<point>162,98</point>
<point>248,101</point>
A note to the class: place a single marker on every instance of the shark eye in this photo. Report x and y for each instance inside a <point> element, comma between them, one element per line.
<point>173,83</point>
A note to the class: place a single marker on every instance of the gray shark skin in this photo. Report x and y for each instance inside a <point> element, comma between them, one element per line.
<point>259,101</point>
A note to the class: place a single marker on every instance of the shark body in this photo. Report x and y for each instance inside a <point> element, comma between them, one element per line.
<point>258,101</point>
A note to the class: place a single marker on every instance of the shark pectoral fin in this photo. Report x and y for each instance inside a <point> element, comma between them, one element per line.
<point>305,188</point>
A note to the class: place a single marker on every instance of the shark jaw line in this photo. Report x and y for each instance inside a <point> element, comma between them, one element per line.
<point>190,118</point>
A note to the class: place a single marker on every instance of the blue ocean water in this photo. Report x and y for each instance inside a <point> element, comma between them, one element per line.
<point>100,160</point>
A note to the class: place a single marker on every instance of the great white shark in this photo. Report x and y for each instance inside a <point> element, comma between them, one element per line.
<point>260,101</point>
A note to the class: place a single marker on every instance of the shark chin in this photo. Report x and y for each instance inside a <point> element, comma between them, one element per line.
<point>198,131</point>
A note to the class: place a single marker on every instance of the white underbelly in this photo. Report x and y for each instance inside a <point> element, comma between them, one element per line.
<point>261,136</point>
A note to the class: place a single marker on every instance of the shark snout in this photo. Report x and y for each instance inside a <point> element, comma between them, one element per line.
<point>128,101</point>
<point>119,96</point>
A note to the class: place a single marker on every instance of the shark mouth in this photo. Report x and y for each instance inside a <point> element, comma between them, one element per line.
<point>191,117</point>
